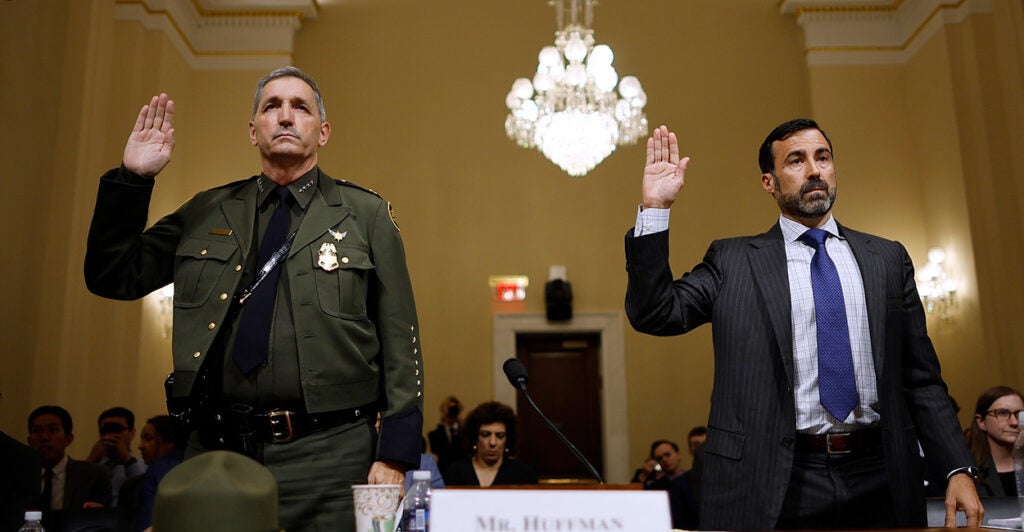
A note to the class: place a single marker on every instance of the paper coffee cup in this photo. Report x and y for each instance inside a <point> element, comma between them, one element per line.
<point>376,502</point>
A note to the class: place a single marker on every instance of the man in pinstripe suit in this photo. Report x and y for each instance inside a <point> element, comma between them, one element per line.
<point>775,457</point>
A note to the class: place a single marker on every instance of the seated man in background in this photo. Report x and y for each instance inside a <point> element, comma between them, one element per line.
<point>444,440</point>
<point>666,453</point>
<point>695,438</point>
<point>65,484</point>
<point>113,449</point>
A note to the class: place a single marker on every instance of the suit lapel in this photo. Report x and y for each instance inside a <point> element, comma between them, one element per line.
<point>240,213</point>
<point>872,273</point>
<point>767,252</point>
<point>70,483</point>
<point>325,212</point>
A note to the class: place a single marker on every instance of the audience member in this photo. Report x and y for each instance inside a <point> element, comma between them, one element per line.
<point>444,440</point>
<point>217,491</point>
<point>683,502</point>
<point>490,430</point>
<point>648,468</point>
<point>695,438</point>
<point>993,434</point>
<point>161,450</point>
<point>666,453</point>
<point>427,463</point>
<point>113,449</point>
<point>65,484</point>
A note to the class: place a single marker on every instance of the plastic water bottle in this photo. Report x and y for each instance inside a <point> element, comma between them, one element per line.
<point>416,510</point>
<point>1018,464</point>
<point>33,522</point>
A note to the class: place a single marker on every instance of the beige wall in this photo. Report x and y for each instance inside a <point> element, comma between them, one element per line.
<point>415,93</point>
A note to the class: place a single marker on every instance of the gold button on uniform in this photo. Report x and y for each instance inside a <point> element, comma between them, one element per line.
<point>223,296</point>
<point>195,355</point>
<point>344,260</point>
<point>212,326</point>
<point>238,267</point>
<point>203,252</point>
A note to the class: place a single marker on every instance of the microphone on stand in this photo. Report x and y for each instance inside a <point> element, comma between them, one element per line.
<point>517,376</point>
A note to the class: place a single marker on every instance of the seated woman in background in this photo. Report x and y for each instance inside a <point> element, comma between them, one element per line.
<point>490,429</point>
<point>993,434</point>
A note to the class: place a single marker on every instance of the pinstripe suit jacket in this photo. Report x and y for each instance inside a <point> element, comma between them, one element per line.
<point>742,288</point>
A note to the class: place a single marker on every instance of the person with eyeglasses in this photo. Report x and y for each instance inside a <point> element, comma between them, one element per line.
<point>992,435</point>
<point>113,450</point>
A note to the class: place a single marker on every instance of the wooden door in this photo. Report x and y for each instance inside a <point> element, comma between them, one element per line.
<point>565,382</point>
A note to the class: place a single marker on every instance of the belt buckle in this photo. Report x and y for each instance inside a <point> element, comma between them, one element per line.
<point>280,426</point>
<point>828,443</point>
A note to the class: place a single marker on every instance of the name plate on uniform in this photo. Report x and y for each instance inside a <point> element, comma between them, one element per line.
<point>494,510</point>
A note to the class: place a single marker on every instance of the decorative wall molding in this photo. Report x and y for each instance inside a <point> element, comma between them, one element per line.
<point>224,34</point>
<point>873,32</point>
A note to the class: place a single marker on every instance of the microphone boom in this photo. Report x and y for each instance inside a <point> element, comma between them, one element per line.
<point>517,376</point>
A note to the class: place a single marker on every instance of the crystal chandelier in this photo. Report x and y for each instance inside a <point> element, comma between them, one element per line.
<point>570,111</point>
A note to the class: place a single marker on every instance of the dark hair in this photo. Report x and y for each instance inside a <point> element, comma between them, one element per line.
<point>119,411</point>
<point>289,72</point>
<point>63,415</point>
<point>660,442</point>
<point>700,430</point>
<point>485,414</point>
<point>978,439</point>
<point>766,158</point>
<point>164,427</point>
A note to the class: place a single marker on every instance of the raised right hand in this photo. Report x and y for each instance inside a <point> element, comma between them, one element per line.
<point>664,174</point>
<point>149,146</point>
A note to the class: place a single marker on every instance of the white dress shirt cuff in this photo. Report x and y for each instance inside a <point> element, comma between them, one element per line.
<point>650,221</point>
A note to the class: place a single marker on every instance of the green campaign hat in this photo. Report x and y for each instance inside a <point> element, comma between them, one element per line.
<point>217,491</point>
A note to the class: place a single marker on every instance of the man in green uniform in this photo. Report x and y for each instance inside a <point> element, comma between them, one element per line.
<point>294,320</point>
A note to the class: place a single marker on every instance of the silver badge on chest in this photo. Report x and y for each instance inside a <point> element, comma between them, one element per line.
<point>328,257</point>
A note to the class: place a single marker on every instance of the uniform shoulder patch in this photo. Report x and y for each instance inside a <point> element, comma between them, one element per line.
<point>355,186</point>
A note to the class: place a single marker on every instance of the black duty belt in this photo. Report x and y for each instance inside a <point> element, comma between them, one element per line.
<point>281,426</point>
<point>239,426</point>
<point>839,442</point>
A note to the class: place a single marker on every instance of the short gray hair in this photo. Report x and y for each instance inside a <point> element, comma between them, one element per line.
<point>289,72</point>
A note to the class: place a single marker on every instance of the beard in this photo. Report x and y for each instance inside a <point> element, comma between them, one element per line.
<point>818,204</point>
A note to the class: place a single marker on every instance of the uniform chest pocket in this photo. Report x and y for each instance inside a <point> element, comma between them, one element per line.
<point>341,280</point>
<point>199,265</point>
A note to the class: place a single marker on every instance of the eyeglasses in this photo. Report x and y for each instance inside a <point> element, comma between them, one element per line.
<point>1003,414</point>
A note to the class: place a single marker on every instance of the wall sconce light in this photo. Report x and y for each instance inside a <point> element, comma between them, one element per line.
<point>165,297</point>
<point>938,291</point>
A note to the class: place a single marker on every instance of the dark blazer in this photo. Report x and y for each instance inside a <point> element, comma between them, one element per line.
<point>988,482</point>
<point>20,482</point>
<point>86,482</point>
<point>447,451</point>
<point>742,288</point>
<point>355,322</point>
<point>511,472</point>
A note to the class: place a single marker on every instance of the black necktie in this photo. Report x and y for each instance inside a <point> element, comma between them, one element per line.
<point>46,499</point>
<point>837,387</point>
<point>253,336</point>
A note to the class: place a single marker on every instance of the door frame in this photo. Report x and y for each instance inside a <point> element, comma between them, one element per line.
<point>613,374</point>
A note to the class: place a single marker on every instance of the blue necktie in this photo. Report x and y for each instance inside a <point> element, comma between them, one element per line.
<point>252,341</point>
<point>837,387</point>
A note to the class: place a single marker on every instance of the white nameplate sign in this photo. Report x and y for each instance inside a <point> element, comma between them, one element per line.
<point>494,510</point>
